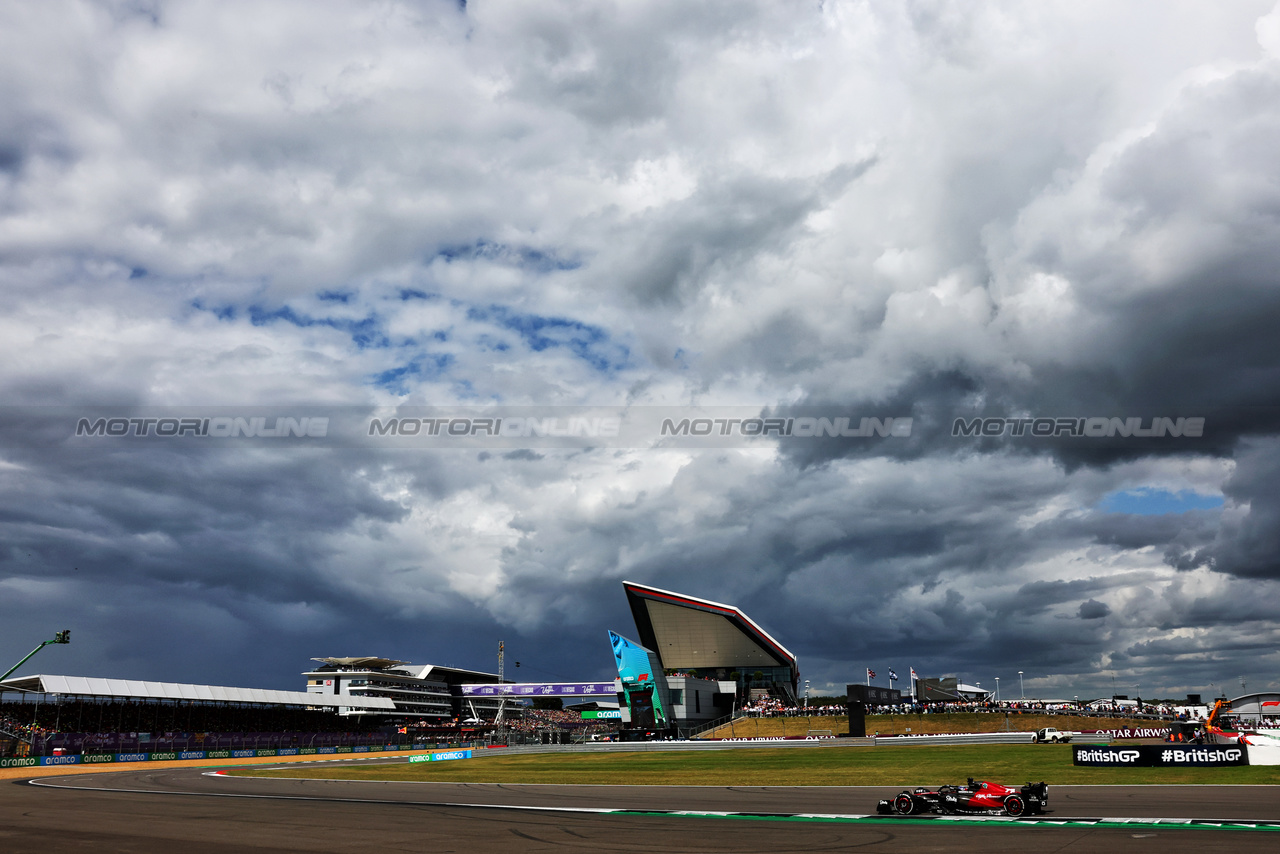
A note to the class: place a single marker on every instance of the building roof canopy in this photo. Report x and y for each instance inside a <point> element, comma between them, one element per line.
<point>687,632</point>
<point>361,662</point>
<point>688,638</point>
<point>131,689</point>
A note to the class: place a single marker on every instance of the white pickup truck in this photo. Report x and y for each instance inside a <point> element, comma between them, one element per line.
<point>1049,735</point>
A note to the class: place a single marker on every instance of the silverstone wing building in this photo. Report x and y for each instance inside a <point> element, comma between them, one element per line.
<point>707,656</point>
<point>714,639</point>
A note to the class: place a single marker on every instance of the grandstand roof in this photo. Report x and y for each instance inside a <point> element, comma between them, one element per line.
<point>1259,703</point>
<point>689,632</point>
<point>388,666</point>
<point>370,662</point>
<point>130,689</point>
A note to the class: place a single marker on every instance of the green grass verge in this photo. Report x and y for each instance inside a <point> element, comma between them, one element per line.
<point>813,766</point>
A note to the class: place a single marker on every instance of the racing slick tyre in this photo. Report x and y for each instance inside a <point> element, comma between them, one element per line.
<point>904,804</point>
<point>1014,805</point>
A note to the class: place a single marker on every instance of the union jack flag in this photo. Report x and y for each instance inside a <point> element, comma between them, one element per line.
<point>871,674</point>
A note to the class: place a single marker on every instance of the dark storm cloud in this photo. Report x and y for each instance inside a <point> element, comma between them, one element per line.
<point>1172,533</point>
<point>931,400</point>
<point>1094,610</point>
<point>207,518</point>
<point>1174,318</point>
<point>1173,311</point>
<point>720,228</point>
<point>1249,543</point>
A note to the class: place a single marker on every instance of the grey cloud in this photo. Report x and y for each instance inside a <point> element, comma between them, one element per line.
<point>1247,543</point>
<point>1094,610</point>
<point>719,229</point>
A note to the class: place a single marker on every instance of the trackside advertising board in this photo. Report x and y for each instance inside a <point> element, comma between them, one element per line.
<point>19,762</point>
<point>441,757</point>
<point>247,753</point>
<point>1159,755</point>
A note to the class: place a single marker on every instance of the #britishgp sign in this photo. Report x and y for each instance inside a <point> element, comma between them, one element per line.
<point>539,689</point>
<point>1159,756</point>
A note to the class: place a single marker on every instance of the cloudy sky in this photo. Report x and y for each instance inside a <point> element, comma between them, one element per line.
<point>928,210</point>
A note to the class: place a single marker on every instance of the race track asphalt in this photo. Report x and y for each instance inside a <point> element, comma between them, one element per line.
<point>184,810</point>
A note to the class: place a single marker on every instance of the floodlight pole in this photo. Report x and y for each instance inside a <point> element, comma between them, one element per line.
<point>63,636</point>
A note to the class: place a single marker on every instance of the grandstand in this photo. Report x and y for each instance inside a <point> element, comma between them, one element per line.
<point>426,693</point>
<point>78,714</point>
<point>350,702</point>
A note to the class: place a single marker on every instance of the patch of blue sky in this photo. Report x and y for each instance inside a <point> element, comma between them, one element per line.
<point>465,390</point>
<point>1148,501</point>
<point>343,297</point>
<point>492,342</point>
<point>222,312</point>
<point>407,294</point>
<point>366,333</point>
<point>590,343</point>
<point>428,366</point>
<point>523,257</point>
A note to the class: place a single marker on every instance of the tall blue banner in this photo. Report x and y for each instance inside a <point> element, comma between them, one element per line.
<point>640,681</point>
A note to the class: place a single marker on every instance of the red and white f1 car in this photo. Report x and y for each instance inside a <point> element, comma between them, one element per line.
<point>975,797</point>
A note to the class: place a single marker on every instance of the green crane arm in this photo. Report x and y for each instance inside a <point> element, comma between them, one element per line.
<point>63,636</point>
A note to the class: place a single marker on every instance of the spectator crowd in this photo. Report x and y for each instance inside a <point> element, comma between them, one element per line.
<point>22,729</point>
<point>88,716</point>
<point>772,707</point>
